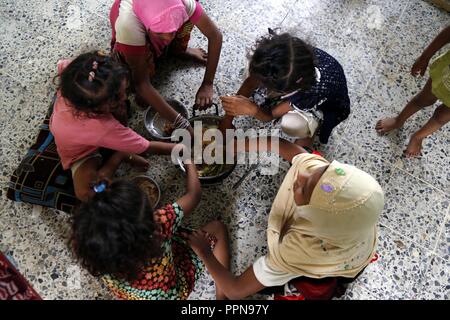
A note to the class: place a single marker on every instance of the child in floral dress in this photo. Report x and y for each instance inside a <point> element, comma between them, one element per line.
<point>141,254</point>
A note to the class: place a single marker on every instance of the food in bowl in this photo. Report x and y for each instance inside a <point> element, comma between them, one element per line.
<point>210,170</point>
<point>157,126</point>
<point>150,188</point>
<point>168,129</point>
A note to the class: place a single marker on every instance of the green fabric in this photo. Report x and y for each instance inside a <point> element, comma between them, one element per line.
<point>440,78</point>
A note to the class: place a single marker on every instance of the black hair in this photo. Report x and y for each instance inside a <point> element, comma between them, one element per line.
<point>279,61</point>
<point>88,97</point>
<point>115,233</point>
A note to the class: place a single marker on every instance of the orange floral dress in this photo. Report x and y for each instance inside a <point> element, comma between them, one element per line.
<point>171,276</point>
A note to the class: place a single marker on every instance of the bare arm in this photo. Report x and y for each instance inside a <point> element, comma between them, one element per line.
<point>83,178</point>
<point>214,36</point>
<point>193,189</point>
<point>263,116</point>
<point>441,40</point>
<point>248,86</point>
<point>277,112</point>
<point>92,171</point>
<point>281,109</point>
<point>234,287</point>
<point>421,64</point>
<point>242,106</point>
<point>204,96</point>
<point>287,150</point>
<point>110,167</point>
<point>157,147</point>
<point>141,81</point>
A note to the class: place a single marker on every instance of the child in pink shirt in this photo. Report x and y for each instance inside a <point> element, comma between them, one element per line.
<point>143,31</point>
<point>89,114</point>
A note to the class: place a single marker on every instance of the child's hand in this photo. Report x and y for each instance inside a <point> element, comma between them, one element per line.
<point>239,106</point>
<point>188,161</point>
<point>199,242</point>
<point>203,99</point>
<point>419,67</point>
<point>138,162</point>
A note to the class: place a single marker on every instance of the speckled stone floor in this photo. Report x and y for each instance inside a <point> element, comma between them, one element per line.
<point>375,40</point>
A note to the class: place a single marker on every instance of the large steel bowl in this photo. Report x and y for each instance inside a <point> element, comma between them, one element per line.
<point>210,119</point>
<point>154,123</point>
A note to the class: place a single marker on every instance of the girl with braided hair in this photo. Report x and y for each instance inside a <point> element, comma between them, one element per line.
<point>288,79</point>
<point>89,116</point>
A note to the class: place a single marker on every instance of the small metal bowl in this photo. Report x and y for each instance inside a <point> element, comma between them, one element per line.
<point>154,123</point>
<point>139,179</point>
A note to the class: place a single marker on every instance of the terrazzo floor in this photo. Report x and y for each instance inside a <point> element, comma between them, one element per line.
<point>376,41</point>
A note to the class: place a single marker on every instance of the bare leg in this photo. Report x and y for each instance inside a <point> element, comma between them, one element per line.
<point>440,117</point>
<point>110,167</point>
<point>423,99</point>
<point>221,250</point>
<point>84,176</point>
<point>305,142</point>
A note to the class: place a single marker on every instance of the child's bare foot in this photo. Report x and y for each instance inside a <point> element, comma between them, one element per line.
<point>414,147</point>
<point>386,125</point>
<point>197,54</point>
<point>138,162</point>
<point>305,142</point>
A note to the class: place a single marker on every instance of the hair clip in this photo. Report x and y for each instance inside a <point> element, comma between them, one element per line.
<point>273,32</point>
<point>94,65</point>
<point>91,76</point>
<point>99,187</point>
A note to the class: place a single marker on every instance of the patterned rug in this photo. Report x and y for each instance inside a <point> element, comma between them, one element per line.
<point>13,286</point>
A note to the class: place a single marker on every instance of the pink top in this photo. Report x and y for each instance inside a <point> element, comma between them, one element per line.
<point>131,19</point>
<point>77,137</point>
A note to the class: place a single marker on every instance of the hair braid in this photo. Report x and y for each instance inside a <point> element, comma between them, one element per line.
<point>283,63</point>
<point>87,93</point>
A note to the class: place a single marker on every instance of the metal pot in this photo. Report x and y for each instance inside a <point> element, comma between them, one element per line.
<point>154,123</point>
<point>210,119</point>
<point>148,179</point>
